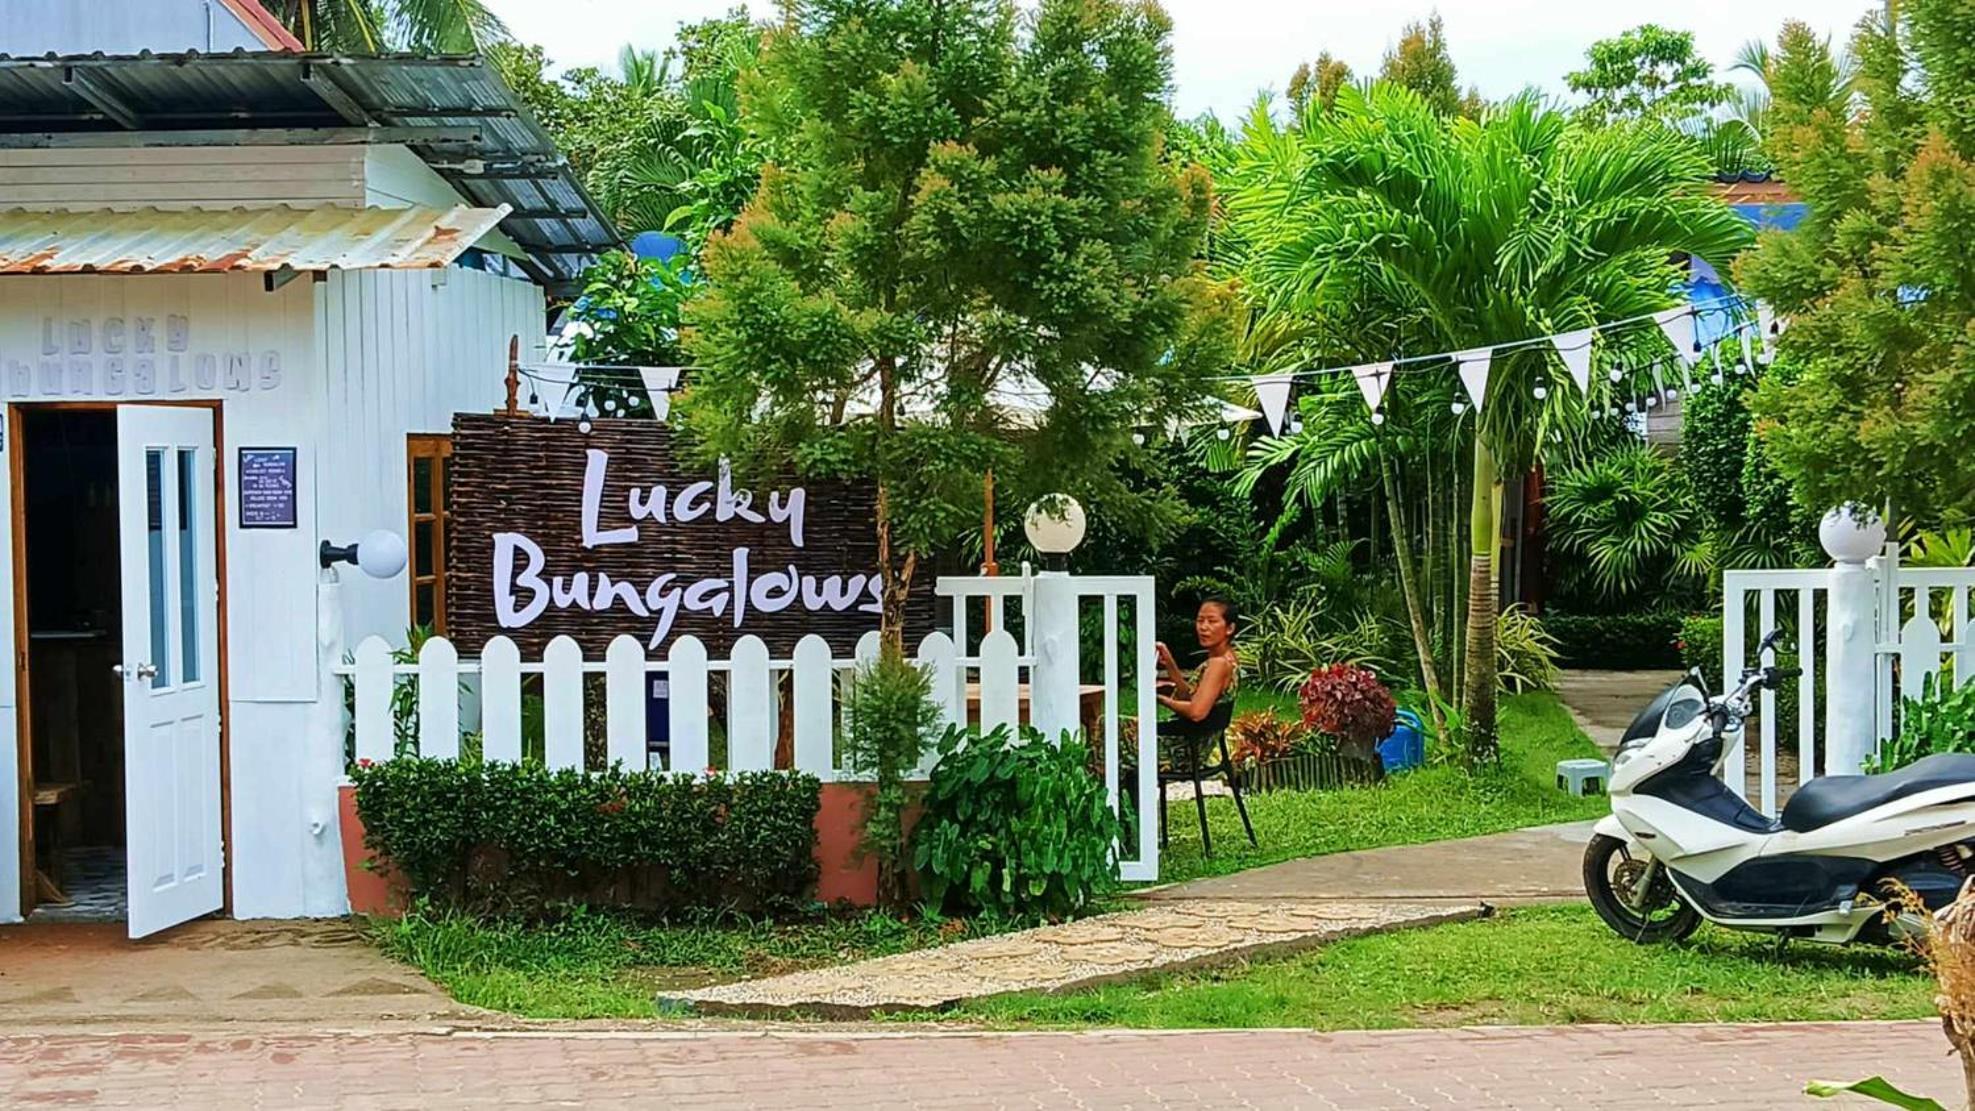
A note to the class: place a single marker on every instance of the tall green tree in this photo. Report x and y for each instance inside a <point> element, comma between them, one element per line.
<point>660,143</point>
<point>1314,85</point>
<point>970,256</point>
<point>376,26</point>
<point>1421,62</point>
<point>1394,230</point>
<point>1876,390</point>
<point>1649,72</point>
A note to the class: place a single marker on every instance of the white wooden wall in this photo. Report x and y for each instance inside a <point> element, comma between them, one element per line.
<point>365,358</point>
<point>402,352</point>
<point>81,179</point>
<point>10,856</point>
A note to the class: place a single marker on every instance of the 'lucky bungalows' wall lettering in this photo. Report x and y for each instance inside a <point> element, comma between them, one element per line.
<point>136,356</point>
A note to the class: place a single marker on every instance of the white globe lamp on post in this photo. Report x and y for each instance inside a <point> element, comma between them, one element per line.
<point>1851,535</point>
<point>1055,526</point>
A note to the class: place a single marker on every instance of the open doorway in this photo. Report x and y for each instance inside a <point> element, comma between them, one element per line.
<point>74,627</point>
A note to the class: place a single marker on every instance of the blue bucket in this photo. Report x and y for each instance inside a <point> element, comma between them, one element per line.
<point>1406,746</point>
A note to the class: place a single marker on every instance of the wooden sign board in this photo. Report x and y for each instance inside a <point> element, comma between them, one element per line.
<point>555,531</point>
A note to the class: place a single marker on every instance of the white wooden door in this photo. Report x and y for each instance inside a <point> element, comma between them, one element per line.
<point>170,664</point>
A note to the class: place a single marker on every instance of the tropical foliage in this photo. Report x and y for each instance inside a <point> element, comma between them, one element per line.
<point>1875,282</point>
<point>1384,227</point>
<point>967,257</point>
<point>378,26</point>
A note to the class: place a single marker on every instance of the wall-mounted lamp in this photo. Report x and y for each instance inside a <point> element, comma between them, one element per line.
<point>1055,526</point>
<point>381,554</point>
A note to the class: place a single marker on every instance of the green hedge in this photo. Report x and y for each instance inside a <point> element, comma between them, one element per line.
<point>519,837</point>
<point>1616,641</point>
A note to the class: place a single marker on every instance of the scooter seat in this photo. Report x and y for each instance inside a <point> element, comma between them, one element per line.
<point>1833,798</point>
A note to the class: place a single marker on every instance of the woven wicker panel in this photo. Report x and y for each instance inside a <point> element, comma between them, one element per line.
<point>525,475</point>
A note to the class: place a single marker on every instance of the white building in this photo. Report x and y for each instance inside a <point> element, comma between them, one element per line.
<point>241,296</point>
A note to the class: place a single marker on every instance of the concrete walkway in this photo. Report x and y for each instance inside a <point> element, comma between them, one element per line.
<point>1543,864</point>
<point>211,971</point>
<point>1620,1068</point>
<point>1603,703</point>
<point>1192,933</point>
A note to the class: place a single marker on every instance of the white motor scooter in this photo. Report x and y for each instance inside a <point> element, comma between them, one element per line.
<point>1680,845</point>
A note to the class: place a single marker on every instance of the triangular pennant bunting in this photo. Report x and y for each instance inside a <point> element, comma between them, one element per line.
<point>1272,390</point>
<point>1373,379</point>
<point>1474,372</point>
<point>1770,326</point>
<point>1574,348</point>
<point>1678,325</point>
<point>660,381</point>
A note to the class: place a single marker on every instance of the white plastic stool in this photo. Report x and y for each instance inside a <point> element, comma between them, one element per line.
<point>1580,777</point>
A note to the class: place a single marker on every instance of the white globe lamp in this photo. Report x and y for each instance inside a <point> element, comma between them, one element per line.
<point>1055,526</point>
<point>1852,533</point>
<point>381,554</point>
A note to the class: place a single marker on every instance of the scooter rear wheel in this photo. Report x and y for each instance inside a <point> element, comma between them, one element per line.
<point>1669,918</point>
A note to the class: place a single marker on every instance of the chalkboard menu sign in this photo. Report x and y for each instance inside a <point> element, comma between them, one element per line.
<point>267,487</point>
<point>552,530</point>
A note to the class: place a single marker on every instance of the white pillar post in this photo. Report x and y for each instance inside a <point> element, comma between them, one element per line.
<point>1851,536</point>
<point>1053,682</point>
<point>323,771</point>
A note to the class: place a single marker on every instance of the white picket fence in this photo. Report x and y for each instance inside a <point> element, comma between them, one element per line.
<point>754,684</point>
<point>984,678</point>
<point>1910,644</point>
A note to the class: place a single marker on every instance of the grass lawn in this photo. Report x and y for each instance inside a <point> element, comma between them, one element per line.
<point>598,965</point>
<point>1429,804</point>
<point>1538,965</point>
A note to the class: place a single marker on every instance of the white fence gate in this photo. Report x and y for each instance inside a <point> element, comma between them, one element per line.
<point>988,679</point>
<point>1919,627</point>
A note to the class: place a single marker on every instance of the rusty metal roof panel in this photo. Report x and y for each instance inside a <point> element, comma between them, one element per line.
<point>151,241</point>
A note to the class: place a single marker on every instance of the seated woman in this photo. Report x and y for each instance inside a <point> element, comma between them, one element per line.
<point>1194,698</point>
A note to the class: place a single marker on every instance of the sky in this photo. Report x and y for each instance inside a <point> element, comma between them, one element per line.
<point>1225,51</point>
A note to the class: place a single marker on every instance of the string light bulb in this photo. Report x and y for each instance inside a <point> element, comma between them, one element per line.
<point>1541,391</point>
<point>1378,417</point>
<point>1459,407</point>
<point>1221,434</point>
<point>583,426</point>
<point>1296,426</point>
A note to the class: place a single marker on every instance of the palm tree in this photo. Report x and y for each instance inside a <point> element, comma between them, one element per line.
<point>1396,231</point>
<point>376,26</point>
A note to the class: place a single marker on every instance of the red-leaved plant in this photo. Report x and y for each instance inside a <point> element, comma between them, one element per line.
<point>1350,705</point>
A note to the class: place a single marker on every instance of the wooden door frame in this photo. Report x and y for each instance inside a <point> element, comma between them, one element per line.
<point>23,711</point>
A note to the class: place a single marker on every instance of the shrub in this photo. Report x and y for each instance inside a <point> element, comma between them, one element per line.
<point>1261,736</point>
<point>1938,721</point>
<point>1526,652</point>
<point>1019,827</point>
<point>890,721</point>
<point>1700,646</point>
<point>1616,641</point>
<point>1349,705</point>
<point>501,837</point>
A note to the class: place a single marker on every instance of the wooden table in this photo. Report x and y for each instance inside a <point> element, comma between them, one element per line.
<point>48,882</point>
<point>1090,705</point>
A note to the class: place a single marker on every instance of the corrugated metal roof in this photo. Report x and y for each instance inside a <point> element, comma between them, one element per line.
<point>148,241</point>
<point>454,112</point>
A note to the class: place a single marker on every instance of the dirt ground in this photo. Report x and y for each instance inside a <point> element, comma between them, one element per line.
<point>212,972</point>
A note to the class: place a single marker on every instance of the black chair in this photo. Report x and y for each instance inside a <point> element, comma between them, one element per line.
<point>1187,768</point>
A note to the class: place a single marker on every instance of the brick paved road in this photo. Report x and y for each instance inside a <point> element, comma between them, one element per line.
<point>1603,1067</point>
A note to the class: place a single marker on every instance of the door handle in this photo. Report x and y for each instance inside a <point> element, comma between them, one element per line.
<point>141,671</point>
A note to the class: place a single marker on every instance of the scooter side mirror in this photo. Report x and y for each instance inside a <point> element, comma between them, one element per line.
<point>1700,681</point>
<point>1769,643</point>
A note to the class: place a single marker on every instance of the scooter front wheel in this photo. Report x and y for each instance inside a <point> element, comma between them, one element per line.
<point>1611,878</point>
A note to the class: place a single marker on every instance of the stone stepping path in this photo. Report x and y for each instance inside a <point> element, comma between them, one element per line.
<point>1065,957</point>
